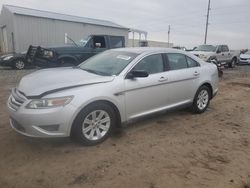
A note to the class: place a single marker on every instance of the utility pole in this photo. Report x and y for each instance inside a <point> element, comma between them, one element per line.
<point>168,35</point>
<point>208,10</point>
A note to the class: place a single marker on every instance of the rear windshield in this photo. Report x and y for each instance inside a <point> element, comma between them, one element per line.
<point>206,48</point>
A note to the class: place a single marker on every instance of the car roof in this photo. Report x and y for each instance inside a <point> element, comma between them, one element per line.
<point>140,50</point>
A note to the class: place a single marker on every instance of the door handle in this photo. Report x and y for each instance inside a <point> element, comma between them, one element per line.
<point>222,54</point>
<point>196,73</point>
<point>163,79</point>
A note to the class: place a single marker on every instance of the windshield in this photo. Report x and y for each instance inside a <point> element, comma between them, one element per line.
<point>248,53</point>
<point>83,42</point>
<point>206,48</point>
<point>108,63</point>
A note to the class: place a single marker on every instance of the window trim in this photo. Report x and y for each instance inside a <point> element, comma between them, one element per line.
<point>186,56</point>
<point>169,63</point>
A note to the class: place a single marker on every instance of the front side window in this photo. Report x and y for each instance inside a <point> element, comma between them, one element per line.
<point>100,40</point>
<point>177,61</point>
<point>151,64</point>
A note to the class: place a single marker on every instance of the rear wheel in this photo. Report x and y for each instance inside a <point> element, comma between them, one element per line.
<point>233,63</point>
<point>94,124</point>
<point>201,100</point>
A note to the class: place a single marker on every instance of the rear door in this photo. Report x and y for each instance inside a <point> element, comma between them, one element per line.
<point>183,78</point>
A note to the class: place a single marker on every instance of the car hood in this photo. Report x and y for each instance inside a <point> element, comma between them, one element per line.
<point>246,56</point>
<point>6,55</point>
<point>47,81</point>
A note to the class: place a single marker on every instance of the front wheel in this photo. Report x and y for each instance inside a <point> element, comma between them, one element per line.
<point>201,100</point>
<point>19,64</point>
<point>94,124</point>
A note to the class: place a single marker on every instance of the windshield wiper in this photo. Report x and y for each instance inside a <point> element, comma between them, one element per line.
<point>96,72</point>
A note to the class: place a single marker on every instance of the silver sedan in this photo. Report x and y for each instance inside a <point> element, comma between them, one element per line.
<point>89,101</point>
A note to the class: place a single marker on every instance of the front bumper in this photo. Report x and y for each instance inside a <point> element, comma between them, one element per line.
<point>53,122</point>
<point>247,61</point>
<point>6,63</point>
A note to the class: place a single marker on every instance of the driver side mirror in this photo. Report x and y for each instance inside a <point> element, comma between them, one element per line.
<point>218,51</point>
<point>137,74</point>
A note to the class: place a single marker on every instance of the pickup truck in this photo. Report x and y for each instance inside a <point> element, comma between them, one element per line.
<point>219,53</point>
<point>74,54</point>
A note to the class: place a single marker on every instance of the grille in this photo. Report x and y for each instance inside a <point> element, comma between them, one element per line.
<point>16,99</point>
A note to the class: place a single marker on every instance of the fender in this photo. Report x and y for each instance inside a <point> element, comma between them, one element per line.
<point>69,57</point>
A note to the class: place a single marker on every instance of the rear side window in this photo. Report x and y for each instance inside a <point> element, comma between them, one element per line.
<point>191,62</point>
<point>152,64</point>
<point>177,61</point>
<point>116,42</point>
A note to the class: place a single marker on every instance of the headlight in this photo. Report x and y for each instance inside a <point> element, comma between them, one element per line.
<point>7,58</point>
<point>48,53</point>
<point>49,102</point>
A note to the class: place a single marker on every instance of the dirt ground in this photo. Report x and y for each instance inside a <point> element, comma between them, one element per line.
<point>177,149</point>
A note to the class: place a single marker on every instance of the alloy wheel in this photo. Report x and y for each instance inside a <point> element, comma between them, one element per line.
<point>203,99</point>
<point>96,125</point>
<point>20,64</point>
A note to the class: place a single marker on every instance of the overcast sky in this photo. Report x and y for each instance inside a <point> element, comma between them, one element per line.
<point>229,19</point>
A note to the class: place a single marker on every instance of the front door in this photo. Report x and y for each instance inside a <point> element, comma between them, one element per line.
<point>183,79</point>
<point>145,95</point>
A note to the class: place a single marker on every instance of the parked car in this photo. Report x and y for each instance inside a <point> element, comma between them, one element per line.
<point>14,60</point>
<point>74,54</point>
<point>89,101</point>
<point>245,58</point>
<point>219,53</point>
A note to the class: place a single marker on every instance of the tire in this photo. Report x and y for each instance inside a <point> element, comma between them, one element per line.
<point>220,73</point>
<point>233,63</point>
<point>201,100</point>
<point>89,131</point>
<point>19,64</point>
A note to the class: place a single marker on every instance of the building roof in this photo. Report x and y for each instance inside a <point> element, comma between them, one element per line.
<point>58,16</point>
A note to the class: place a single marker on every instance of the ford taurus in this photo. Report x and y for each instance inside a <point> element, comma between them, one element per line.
<point>89,101</point>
